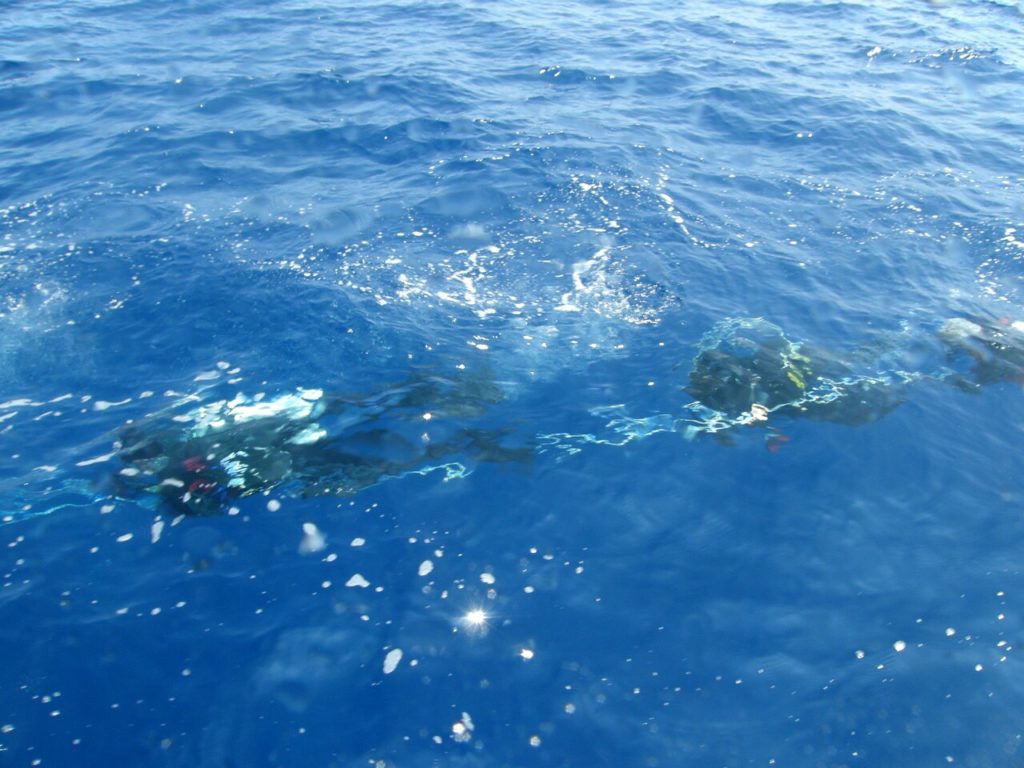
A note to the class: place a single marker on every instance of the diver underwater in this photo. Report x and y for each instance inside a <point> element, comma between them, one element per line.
<point>310,443</point>
<point>747,370</point>
<point>746,373</point>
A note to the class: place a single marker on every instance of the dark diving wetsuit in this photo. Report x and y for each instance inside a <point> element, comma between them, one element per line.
<point>308,443</point>
<point>747,370</point>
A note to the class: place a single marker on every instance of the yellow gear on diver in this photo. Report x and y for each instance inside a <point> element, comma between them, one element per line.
<point>796,366</point>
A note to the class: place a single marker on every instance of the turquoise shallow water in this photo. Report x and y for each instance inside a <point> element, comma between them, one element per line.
<point>521,220</point>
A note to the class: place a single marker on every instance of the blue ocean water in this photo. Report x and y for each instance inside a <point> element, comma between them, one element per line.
<point>545,208</point>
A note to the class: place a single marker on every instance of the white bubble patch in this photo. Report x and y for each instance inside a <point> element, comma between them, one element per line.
<point>313,539</point>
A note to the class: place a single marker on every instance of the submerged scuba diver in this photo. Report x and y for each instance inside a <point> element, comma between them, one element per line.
<point>748,370</point>
<point>309,442</point>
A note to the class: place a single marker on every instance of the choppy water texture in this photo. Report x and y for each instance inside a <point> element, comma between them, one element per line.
<point>201,199</point>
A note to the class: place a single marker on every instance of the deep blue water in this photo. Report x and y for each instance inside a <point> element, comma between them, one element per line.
<point>199,199</point>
